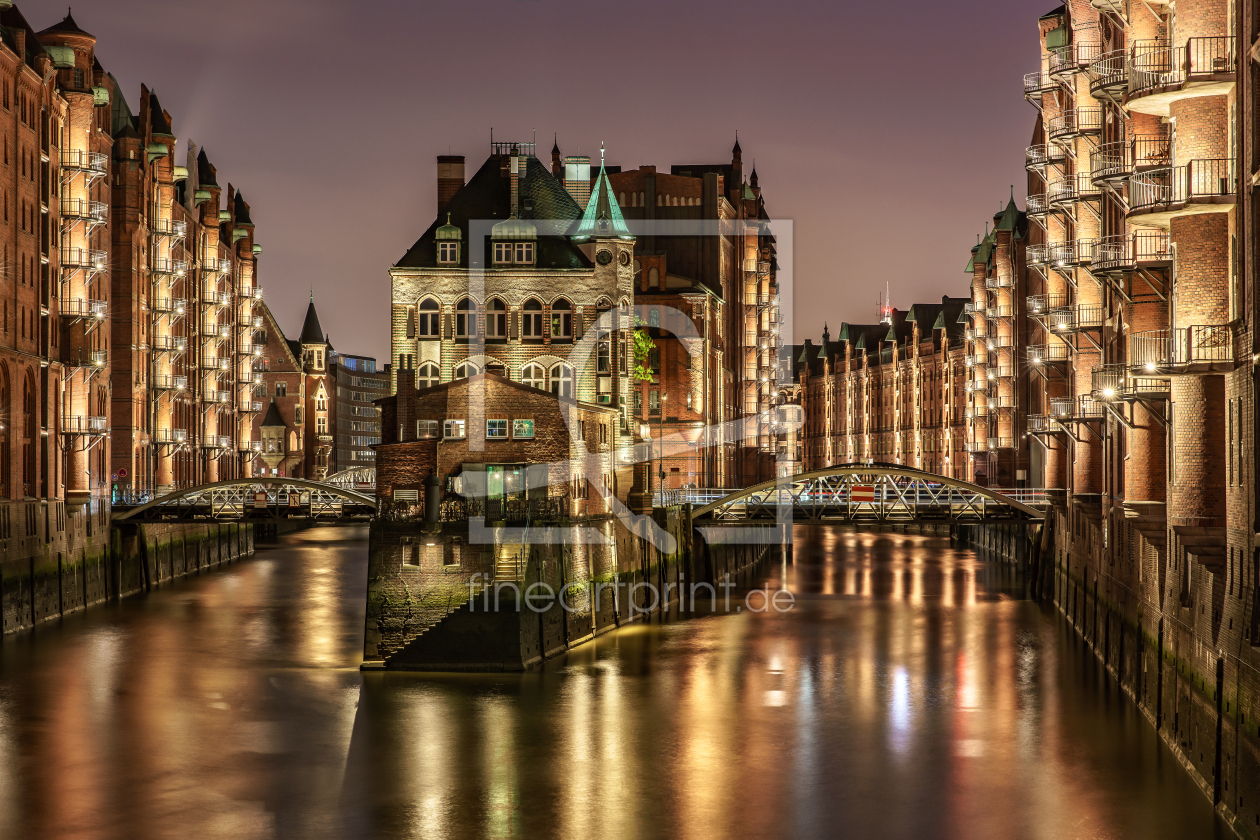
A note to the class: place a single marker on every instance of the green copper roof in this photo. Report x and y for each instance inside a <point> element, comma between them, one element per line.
<point>449,231</point>
<point>940,321</point>
<point>602,217</point>
<point>1010,216</point>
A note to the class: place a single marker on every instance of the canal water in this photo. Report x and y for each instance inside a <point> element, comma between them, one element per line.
<point>913,692</point>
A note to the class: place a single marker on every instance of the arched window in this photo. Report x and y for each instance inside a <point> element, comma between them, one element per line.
<point>427,376</point>
<point>531,320</point>
<point>465,370</point>
<point>427,322</point>
<point>496,319</point>
<point>561,320</point>
<point>621,199</point>
<point>562,380</point>
<point>465,319</point>
<point>532,376</point>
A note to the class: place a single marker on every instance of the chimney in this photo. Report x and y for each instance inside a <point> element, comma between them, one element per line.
<point>450,179</point>
<point>517,166</point>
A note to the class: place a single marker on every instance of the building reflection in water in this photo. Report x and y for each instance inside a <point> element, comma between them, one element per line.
<point>913,692</point>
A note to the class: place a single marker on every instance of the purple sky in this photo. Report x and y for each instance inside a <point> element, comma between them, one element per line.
<point>888,132</point>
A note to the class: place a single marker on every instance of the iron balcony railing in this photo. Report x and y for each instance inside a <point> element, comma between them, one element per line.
<point>98,358</point>
<point>1150,151</point>
<point>1062,408</point>
<point>1207,180</point>
<point>1149,387</point>
<point>1037,205</point>
<point>250,446</point>
<point>1106,382</point>
<point>1081,316</point>
<point>1039,354</point>
<point>998,311</point>
<point>1064,61</point>
<point>170,305</point>
<point>174,268</point>
<point>217,396</point>
<point>1111,161</point>
<point>215,298</point>
<point>1070,189</point>
<point>1199,344</point>
<point>77,424</point>
<point>80,308</point>
<point>1124,252</point>
<point>1108,72</point>
<point>216,442</point>
<point>165,382</point>
<point>969,308</point>
<point>1038,83</point>
<point>256,322</point>
<point>213,363</point>
<point>978,411</point>
<point>1156,65</point>
<point>84,258</point>
<point>1040,156</point>
<point>978,445</point>
<point>1004,371</point>
<point>170,342</point>
<point>1001,443</point>
<point>1001,401</point>
<point>217,266</point>
<point>1150,350</point>
<point>250,406</point>
<point>1039,423</point>
<point>96,212</point>
<point>1070,253</point>
<point>168,227</point>
<point>1042,304</point>
<point>79,160</point>
<point>170,436</point>
<point>996,342</point>
<point>1075,123</point>
<point>1038,254</point>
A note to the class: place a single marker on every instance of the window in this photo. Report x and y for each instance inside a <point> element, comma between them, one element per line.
<point>523,429</point>
<point>454,430</point>
<point>465,319</point>
<point>427,376</point>
<point>321,425</point>
<point>602,360</point>
<point>496,319</point>
<point>654,316</point>
<point>282,389</point>
<point>561,320</point>
<point>503,252</point>
<point>638,402</point>
<point>448,253</point>
<point>654,400</point>
<point>427,320</point>
<point>426,429</point>
<point>465,370</point>
<point>321,403</point>
<point>496,429</point>
<point>562,380</point>
<point>532,376</point>
<point>524,253</point>
<point>531,326</point>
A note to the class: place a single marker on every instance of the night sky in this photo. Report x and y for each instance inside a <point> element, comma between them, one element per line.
<point>888,132</point>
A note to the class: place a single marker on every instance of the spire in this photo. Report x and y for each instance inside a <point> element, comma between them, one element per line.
<point>736,150</point>
<point>555,144</point>
<point>311,331</point>
<point>603,215</point>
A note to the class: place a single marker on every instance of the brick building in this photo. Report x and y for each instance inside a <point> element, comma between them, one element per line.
<point>496,442</point>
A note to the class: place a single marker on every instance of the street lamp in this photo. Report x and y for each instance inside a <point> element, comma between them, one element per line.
<point>660,423</point>
<point>645,433</point>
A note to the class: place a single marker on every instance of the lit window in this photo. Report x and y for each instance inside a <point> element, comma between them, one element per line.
<point>562,380</point>
<point>602,358</point>
<point>426,429</point>
<point>427,376</point>
<point>282,389</point>
<point>561,320</point>
<point>454,430</point>
<point>496,429</point>
<point>321,425</point>
<point>523,429</point>
<point>532,376</point>
<point>448,253</point>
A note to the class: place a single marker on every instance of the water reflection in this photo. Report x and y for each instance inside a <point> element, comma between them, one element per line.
<point>913,692</point>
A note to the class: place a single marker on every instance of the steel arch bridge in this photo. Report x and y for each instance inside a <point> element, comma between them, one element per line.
<point>356,478</point>
<point>258,498</point>
<point>873,493</point>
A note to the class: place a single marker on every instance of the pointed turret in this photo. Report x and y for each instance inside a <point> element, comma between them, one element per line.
<point>311,331</point>
<point>602,219</point>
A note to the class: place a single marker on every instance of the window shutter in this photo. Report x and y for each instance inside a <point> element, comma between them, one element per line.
<point>513,325</point>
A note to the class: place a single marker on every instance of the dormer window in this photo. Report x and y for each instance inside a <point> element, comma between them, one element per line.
<point>524,253</point>
<point>503,253</point>
<point>448,237</point>
<point>448,253</point>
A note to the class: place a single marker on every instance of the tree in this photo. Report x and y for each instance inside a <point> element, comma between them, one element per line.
<point>643,347</point>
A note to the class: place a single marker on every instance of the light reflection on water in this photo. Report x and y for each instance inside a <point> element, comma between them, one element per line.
<point>912,693</point>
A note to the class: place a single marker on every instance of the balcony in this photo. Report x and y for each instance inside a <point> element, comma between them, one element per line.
<point>1071,253</point>
<point>1037,158</point>
<point>1004,372</point>
<point>1062,408</point>
<point>250,446</point>
<point>1150,151</point>
<point>971,359</point>
<point>170,437</point>
<point>169,306</point>
<point>978,445</point>
<point>216,442</point>
<point>93,164</point>
<point>176,343</point>
<point>998,311</point>
<point>997,342</point>
<point>1106,382</point>
<point>1040,424</point>
<point>214,363</point>
<point>1036,84</point>
<point>250,406</point>
<point>1064,192</point>
<point>1036,205</point>
<point>1003,403</point>
<point>1202,348</point>
<point>1160,74</point>
<point>1074,318</point>
<point>165,382</point>
<point>168,227</point>
<point>996,443</point>
<point>216,298</point>
<point>1042,304</point>
<point>79,308</point>
<point>1201,186</point>
<point>1065,61</point>
<point>1045,354</point>
<point>170,268</point>
<point>1145,249</point>
<point>1038,254</point>
<point>969,308</point>
<point>1074,123</point>
<point>1111,162</point>
<point>76,424</point>
<point>85,259</point>
<point>1108,74</point>
<point>250,378</point>
<point>256,322</point>
<point>79,209</point>
<point>250,349</point>
<point>217,267</point>
<point>1001,281</point>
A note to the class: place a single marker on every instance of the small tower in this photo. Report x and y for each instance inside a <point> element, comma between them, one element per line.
<point>273,431</point>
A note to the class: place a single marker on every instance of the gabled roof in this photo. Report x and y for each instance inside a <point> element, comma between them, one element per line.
<point>122,121</point>
<point>67,26</point>
<point>205,170</point>
<point>312,333</point>
<point>241,211</point>
<point>157,118</point>
<point>487,197</point>
<point>12,20</point>
<point>602,217</point>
